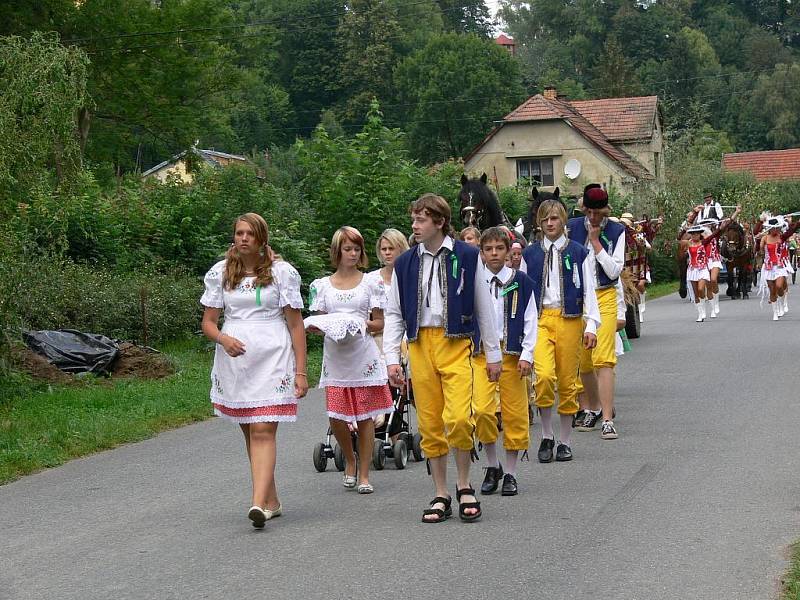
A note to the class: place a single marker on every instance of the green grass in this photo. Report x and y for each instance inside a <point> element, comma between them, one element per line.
<point>46,425</point>
<point>791,583</point>
<point>665,288</point>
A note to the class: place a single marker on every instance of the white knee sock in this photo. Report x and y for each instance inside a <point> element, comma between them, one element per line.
<point>565,432</point>
<point>547,422</point>
<point>511,462</point>
<point>491,454</point>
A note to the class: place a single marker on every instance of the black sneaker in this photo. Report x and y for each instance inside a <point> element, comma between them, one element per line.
<point>589,421</point>
<point>492,479</point>
<point>546,450</point>
<point>509,485</point>
<point>608,432</point>
<point>577,418</point>
<point>563,453</point>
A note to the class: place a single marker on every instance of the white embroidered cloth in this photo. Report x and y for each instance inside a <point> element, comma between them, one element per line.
<point>337,326</point>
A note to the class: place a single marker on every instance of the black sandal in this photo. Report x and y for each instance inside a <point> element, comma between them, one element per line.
<point>441,515</point>
<point>462,506</point>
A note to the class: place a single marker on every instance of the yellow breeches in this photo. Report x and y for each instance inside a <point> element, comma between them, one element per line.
<point>556,359</point>
<point>513,404</point>
<point>603,355</point>
<point>442,372</point>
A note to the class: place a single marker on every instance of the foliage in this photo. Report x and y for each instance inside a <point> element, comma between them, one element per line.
<point>452,90</point>
<point>44,88</point>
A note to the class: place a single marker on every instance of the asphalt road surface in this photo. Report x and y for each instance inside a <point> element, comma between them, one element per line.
<point>698,498</point>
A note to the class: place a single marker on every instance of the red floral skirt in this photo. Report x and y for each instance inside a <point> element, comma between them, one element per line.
<point>256,414</point>
<point>358,403</point>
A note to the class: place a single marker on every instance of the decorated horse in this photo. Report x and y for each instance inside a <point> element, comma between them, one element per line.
<point>737,250</point>
<point>530,228</point>
<point>480,206</point>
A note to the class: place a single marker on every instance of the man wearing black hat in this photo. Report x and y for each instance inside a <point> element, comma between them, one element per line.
<point>605,241</point>
<point>711,209</point>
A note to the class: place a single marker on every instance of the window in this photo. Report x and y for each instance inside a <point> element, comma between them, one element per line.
<point>538,171</point>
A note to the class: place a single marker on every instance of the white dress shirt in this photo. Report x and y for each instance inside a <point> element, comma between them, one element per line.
<point>612,264</point>
<point>712,210</point>
<point>530,320</point>
<point>551,297</point>
<point>432,309</point>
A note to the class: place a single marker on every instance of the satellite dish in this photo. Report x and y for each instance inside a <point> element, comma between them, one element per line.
<point>573,168</point>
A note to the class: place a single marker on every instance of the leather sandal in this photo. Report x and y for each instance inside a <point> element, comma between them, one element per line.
<point>462,506</point>
<point>441,514</point>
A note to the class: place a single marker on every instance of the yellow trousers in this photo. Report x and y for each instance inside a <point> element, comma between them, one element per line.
<point>556,359</point>
<point>604,354</point>
<point>513,404</point>
<point>442,372</point>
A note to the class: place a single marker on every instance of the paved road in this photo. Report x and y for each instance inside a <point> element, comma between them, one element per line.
<point>699,498</point>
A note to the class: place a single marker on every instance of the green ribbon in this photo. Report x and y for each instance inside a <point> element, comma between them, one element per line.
<point>509,289</point>
<point>454,260</point>
<point>567,263</point>
<point>258,295</point>
<point>605,239</point>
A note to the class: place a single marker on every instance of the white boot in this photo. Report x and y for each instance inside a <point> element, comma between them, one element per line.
<point>785,302</point>
<point>642,307</point>
<point>775,314</point>
<point>716,305</point>
<point>779,304</point>
<point>701,311</point>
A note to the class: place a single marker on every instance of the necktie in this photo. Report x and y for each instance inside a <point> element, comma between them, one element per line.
<point>497,285</point>
<point>549,266</point>
<point>435,265</point>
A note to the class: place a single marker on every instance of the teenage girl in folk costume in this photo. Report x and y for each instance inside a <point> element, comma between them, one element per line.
<point>353,370</point>
<point>436,299</point>
<point>391,244</point>
<point>775,269</point>
<point>260,358</point>
<point>562,274</point>
<point>512,298</point>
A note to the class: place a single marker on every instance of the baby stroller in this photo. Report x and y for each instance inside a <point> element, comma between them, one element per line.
<point>394,438</point>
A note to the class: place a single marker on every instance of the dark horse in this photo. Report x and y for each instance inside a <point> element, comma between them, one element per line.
<point>479,204</point>
<point>737,251</point>
<point>531,227</point>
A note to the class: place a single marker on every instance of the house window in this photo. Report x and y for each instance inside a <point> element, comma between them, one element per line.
<point>538,171</point>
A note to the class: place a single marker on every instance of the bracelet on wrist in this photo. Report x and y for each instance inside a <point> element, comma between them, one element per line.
<point>303,374</point>
<point>219,337</point>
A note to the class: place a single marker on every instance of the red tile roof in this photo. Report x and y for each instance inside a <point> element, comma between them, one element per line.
<point>627,119</point>
<point>504,40</point>
<point>765,165</point>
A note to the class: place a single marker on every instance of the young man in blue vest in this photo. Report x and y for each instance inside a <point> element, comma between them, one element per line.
<point>511,295</point>
<point>605,242</point>
<point>437,297</point>
<point>561,271</point>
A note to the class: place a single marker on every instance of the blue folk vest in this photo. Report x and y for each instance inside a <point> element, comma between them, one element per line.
<point>457,277</point>
<point>572,256</point>
<point>516,294</point>
<point>610,236</point>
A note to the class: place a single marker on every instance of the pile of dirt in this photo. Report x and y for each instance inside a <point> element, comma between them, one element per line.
<point>140,362</point>
<point>36,366</point>
<point>132,362</point>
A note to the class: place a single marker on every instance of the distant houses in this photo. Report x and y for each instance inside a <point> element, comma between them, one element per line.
<point>180,165</point>
<point>766,165</point>
<point>551,141</point>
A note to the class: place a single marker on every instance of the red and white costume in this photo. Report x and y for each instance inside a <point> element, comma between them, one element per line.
<point>698,262</point>
<point>714,257</point>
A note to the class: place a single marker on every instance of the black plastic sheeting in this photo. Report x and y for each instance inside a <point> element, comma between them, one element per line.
<point>74,351</point>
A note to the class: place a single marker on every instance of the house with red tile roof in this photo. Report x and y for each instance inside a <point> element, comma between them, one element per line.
<point>767,165</point>
<point>507,43</point>
<point>552,141</point>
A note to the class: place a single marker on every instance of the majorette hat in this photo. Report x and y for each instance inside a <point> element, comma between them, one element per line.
<point>627,218</point>
<point>594,196</point>
<point>775,223</point>
<point>708,221</point>
<point>696,229</point>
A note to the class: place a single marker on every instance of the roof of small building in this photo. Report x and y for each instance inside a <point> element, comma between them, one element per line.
<point>208,156</point>
<point>504,40</point>
<point>602,122</point>
<point>765,165</point>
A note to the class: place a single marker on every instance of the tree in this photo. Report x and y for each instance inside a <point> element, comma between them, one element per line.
<point>470,16</point>
<point>614,75</point>
<point>44,88</point>
<point>777,97</point>
<point>452,90</point>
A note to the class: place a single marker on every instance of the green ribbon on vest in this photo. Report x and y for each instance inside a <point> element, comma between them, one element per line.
<point>567,263</point>
<point>509,289</point>
<point>454,260</point>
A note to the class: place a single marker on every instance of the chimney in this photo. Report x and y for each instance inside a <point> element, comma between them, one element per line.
<point>550,92</point>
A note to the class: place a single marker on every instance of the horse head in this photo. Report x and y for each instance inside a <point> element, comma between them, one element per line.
<point>479,204</point>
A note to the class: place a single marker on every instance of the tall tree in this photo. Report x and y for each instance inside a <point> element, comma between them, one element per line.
<point>467,16</point>
<point>614,75</point>
<point>777,96</point>
<point>452,90</point>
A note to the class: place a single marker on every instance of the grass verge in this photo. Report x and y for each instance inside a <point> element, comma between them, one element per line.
<point>791,583</point>
<point>46,425</point>
<point>665,288</point>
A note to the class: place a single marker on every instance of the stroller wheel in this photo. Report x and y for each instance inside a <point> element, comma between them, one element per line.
<point>416,447</point>
<point>320,460</point>
<point>400,452</point>
<point>378,456</point>
<point>338,457</point>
